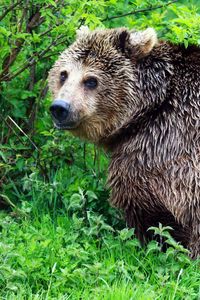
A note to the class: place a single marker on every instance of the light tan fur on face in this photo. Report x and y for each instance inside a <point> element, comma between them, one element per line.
<point>81,100</point>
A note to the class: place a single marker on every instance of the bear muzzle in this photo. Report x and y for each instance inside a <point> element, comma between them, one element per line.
<point>62,115</point>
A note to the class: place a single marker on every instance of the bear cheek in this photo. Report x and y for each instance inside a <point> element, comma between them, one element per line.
<point>83,103</point>
<point>85,109</point>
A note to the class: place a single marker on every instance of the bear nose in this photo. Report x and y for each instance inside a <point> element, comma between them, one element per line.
<point>59,110</point>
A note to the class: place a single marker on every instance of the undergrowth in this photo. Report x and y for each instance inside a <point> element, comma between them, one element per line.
<point>64,241</point>
<point>78,258</point>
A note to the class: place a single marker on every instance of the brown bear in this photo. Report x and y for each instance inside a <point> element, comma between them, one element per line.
<point>140,99</point>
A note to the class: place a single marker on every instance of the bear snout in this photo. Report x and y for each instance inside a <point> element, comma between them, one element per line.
<point>62,115</point>
<point>60,110</point>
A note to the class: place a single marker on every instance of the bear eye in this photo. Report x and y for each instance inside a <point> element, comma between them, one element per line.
<point>63,76</point>
<point>91,83</point>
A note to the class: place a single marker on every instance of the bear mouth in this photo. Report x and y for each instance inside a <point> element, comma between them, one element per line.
<point>66,126</point>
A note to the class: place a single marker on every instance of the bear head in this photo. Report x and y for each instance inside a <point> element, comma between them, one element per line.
<point>95,82</point>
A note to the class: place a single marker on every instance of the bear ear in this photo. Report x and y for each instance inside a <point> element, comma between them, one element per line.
<point>119,38</point>
<point>122,40</point>
<point>83,30</point>
<point>142,42</point>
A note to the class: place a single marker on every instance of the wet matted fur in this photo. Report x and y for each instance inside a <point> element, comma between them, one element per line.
<point>145,110</point>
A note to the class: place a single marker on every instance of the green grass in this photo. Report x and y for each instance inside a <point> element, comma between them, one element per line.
<point>62,240</point>
<point>71,257</point>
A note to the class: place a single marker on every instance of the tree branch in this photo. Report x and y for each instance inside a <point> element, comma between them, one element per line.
<point>31,61</point>
<point>11,128</point>
<point>9,9</point>
<point>19,128</point>
<point>10,58</point>
<point>8,61</point>
<point>139,11</point>
<point>24,13</point>
<point>51,54</point>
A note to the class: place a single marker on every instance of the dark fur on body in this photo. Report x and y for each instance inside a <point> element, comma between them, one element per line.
<point>151,127</point>
<point>158,151</point>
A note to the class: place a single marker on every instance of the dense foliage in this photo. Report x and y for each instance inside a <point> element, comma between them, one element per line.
<point>68,259</point>
<point>53,185</point>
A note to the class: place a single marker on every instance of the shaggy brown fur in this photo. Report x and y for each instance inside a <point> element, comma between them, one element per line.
<point>145,110</point>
